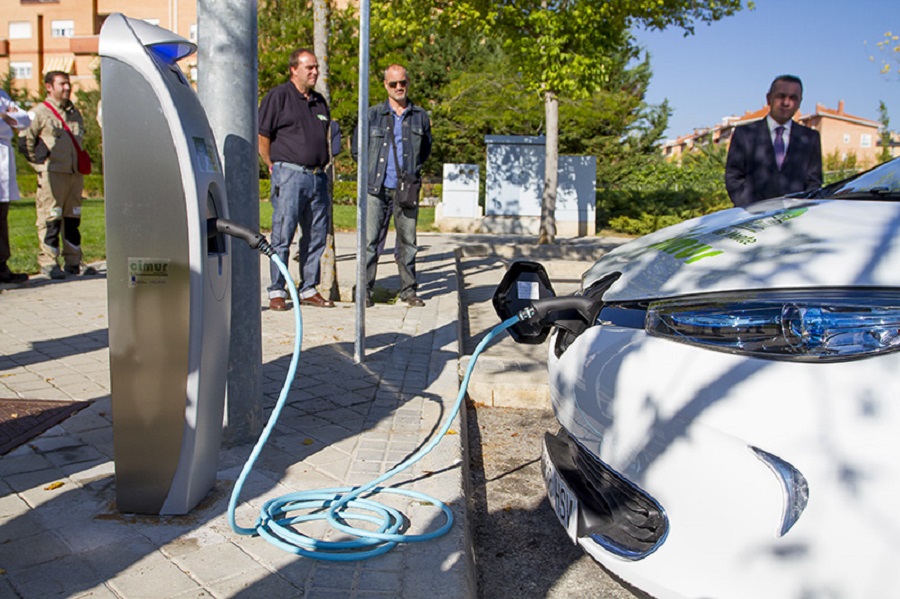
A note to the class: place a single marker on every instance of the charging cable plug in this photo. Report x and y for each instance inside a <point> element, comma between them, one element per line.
<point>254,239</point>
<point>549,310</point>
<point>573,313</point>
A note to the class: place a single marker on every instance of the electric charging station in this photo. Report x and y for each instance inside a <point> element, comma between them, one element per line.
<point>167,281</point>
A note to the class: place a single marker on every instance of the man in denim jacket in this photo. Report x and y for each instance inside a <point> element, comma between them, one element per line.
<point>410,128</point>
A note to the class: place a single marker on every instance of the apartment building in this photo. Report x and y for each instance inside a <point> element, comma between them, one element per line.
<point>37,36</point>
<point>842,133</point>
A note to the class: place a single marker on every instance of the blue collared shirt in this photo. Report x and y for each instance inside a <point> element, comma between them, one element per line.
<point>390,173</point>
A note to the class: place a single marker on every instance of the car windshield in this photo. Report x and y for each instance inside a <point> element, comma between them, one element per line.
<point>879,183</point>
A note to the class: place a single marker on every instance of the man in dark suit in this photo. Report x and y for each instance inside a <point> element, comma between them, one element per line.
<point>774,156</point>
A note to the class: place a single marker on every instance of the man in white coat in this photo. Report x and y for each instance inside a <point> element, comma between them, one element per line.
<point>12,119</point>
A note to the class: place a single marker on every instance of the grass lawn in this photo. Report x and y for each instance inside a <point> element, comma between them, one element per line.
<point>24,242</point>
<point>345,218</point>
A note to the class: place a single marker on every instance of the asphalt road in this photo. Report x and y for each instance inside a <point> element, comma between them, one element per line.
<point>521,550</point>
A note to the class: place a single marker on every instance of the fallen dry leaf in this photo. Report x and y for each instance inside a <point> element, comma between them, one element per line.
<point>308,441</point>
<point>55,485</point>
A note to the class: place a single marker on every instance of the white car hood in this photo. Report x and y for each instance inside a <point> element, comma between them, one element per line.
<point>775,244</point>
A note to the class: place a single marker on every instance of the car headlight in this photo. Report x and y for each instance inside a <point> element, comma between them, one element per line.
<point>809,326</point>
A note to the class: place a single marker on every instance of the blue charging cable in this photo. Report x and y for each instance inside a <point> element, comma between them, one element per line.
<point>342,505</point>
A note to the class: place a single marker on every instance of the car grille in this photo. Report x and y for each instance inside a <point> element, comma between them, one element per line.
<point>616,515</point>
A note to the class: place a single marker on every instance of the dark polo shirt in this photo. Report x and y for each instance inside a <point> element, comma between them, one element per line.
<point>298,128</point>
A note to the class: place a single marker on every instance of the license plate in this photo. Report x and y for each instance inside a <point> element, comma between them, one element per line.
<point>562,499</point>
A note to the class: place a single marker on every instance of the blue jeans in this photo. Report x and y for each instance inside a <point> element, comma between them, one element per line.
<point>299,197</point>
<point>378,212</point>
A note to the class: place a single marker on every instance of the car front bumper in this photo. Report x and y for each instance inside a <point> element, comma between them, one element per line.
<point>682,424</point>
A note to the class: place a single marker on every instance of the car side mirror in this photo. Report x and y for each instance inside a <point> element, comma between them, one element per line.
<point>523,284</point>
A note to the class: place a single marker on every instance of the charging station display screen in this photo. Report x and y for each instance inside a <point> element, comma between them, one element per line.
<point>206,157</point>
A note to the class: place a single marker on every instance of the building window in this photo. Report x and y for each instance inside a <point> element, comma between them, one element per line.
<point>62,28</point>
<point>20,70</point>
<point>846,138</point>
<point>19,30</point>
<point>865,140</point>
<point>192,36</point>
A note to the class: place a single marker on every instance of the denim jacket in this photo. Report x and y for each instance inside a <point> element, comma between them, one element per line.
<point>416,130</point>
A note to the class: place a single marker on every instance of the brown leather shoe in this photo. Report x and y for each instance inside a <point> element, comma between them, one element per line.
<point>278,304</point>
<point>317,301</point>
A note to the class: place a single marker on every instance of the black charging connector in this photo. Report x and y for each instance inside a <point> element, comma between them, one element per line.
<point>570,312</point>
<point>254,239</point>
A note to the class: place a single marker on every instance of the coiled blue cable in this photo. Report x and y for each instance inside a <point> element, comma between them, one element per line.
<point>342,505</point>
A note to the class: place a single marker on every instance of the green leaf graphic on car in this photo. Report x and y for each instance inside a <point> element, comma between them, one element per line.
<point>691,247</point>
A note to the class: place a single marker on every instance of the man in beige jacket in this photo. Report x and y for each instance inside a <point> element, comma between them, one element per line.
<point>54,155</point>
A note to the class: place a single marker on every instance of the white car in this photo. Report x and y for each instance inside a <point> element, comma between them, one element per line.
<point>729,395</point>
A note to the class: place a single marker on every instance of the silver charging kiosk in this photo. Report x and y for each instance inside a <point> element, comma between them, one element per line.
<point>168,283</point>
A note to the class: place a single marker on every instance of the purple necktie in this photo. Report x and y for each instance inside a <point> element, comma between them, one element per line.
<point>779,146</point>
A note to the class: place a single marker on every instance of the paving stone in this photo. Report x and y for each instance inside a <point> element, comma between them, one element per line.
<point>41,547</point>
<point>216,562</point>
<point>260,582</point>
<point>152,577</point>
<point>63,577</point>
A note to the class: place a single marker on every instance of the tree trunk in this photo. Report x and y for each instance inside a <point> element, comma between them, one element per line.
<point>321,35</point>
<point>328,284</point>
<point>551,170</point>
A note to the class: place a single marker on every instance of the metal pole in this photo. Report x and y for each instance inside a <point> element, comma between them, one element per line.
<point>227,85</point>
<point>359,352</point>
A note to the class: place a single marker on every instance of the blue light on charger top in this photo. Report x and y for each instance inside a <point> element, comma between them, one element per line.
<point>173,51</point>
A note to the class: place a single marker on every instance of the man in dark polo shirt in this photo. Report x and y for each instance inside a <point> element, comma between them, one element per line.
<point>294,124</point>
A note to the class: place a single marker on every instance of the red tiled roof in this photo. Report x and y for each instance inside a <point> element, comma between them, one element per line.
<point>840,114</point>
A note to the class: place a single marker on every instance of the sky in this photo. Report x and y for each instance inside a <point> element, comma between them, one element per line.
<point>725,68</point>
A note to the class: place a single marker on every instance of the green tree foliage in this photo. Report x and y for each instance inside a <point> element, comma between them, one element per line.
<point>659,193</point>
<point>562,49</point>
<point>19,95</point>
<point>839,166</point>
<point>615,123</point>
<point>888,49</point>
<point>284,26</point>
<point>476,78</point>
<point>492,101</point>
<point>885,134</point>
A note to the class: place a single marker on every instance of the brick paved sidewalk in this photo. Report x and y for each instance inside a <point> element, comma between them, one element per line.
<point>60,535</point>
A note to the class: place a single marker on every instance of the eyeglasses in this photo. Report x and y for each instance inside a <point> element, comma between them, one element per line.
<point>394,84</point>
